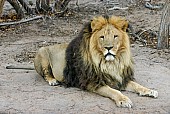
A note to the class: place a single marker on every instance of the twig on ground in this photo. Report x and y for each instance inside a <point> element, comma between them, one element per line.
<point>36,42</point>
<point>136,36</point>
<point>153,7</point>
<point>20,67</point>
<point>21,21</point>
<point>118,8</point>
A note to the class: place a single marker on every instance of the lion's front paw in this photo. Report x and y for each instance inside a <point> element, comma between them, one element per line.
<point>150,93</point>
<point>124,101</point>
<point>153,93</point>
<point>53,82</point>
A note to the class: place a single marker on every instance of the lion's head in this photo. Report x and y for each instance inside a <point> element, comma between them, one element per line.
<point>108,39</point>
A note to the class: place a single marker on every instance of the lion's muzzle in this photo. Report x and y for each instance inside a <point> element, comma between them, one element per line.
<point>109,54</point>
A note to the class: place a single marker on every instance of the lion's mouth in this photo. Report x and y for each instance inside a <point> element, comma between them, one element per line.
<point>109,56</point>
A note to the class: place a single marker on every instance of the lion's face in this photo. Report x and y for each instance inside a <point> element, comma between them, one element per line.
<point>108,38</point>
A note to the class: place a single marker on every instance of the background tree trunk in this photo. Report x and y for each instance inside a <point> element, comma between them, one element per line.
<point>18,9</point>
<point>43,6</point>
<point>25,5</point>
<point>163,37</point>
<point>1,6</point>
<point>61,6</point>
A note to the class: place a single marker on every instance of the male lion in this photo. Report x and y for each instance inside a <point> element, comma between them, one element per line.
<point>98,60</point>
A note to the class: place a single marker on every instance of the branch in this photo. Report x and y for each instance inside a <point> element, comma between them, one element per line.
<point>21,21</point>
<point>133,34</point>
<point>118,8</point>
<point>20,67</point>
<point>153,7</point>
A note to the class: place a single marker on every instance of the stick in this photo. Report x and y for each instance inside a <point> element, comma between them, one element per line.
<point>20,67</point>
<point>118,8</point>
<point>153,7</point>
<point>21,21</point>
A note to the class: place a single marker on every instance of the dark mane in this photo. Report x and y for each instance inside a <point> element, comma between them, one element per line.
<point>81,74</point>
<point>74,63</point>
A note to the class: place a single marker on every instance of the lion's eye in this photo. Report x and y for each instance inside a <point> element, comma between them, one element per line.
<point>102,37</point>
<point>115,36</point>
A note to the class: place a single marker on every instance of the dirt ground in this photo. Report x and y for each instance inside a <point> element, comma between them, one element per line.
<point>24,91</point>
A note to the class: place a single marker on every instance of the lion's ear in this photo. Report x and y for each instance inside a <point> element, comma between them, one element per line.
<point>119,23</point>
<point>97,23</point>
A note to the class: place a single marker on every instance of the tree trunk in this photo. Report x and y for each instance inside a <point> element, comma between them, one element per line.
<point>1,6</point>
<point>45,5</point>
<point>25,5</point>
<point>42,6</point>
<point>163,37</point>
<point>18,9</point>
<point>61,6</point>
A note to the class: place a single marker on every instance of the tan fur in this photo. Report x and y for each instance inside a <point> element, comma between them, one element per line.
<point>50,62</point>
<point>108,36</point>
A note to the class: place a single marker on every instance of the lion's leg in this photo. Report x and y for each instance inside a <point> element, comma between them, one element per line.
<point>143,91</point>
<point>120,99</point>
<point>49,78</point>
<point>42,65</point>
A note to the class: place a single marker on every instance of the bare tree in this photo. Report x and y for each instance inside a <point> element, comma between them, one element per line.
<point>59,7</point>
<point>42,6</point>
<point>16,5</point>
<point>163,37</point>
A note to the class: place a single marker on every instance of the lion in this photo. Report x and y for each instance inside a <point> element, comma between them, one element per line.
<point>98,60</point>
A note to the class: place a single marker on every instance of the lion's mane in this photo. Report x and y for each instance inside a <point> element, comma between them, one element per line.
<point>82,72</point>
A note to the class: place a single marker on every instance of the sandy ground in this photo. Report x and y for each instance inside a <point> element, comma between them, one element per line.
<point>24,91</point>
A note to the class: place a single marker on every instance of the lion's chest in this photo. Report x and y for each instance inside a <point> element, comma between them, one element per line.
<point>112,70</point>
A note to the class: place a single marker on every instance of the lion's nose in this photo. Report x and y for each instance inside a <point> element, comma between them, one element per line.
<point>109,48</point>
